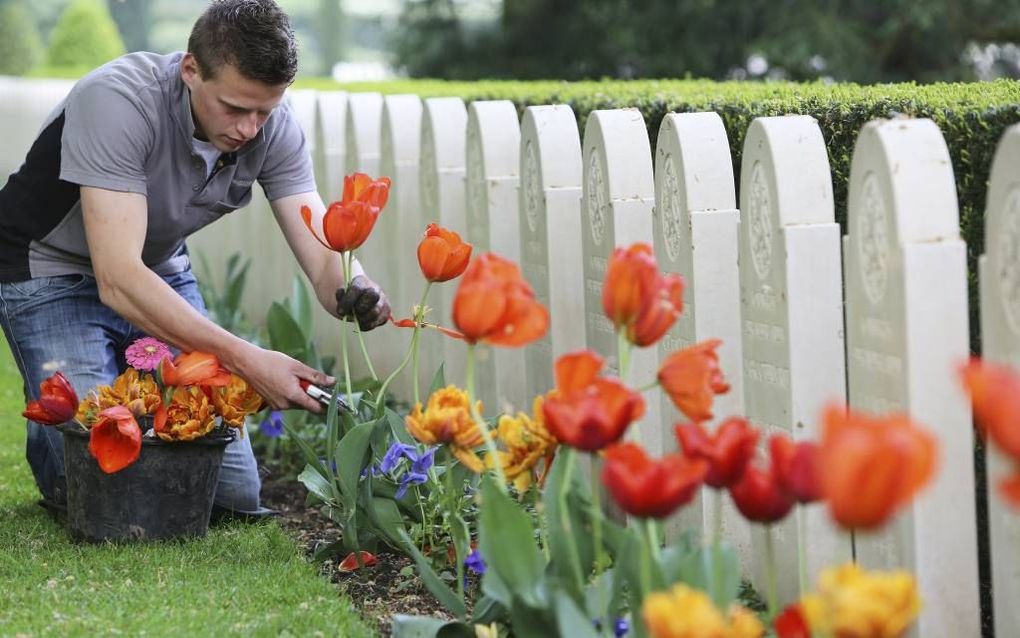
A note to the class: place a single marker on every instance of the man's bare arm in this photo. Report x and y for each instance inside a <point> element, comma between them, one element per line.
<point>115,225</point>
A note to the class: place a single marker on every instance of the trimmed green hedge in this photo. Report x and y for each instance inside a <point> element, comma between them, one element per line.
<point>972,118</point>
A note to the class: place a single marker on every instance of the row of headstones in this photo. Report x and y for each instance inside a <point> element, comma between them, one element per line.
<point>767,278</point>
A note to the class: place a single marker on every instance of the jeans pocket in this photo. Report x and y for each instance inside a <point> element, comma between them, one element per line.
<point>22,295</point>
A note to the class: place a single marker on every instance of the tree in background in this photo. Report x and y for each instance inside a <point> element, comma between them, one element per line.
<point>85,36</point>
<point>858,40</point>
<point>20,44</point>
<point>331,34</point>
<point>134,20</point>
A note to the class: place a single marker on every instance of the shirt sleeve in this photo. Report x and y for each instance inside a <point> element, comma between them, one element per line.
<point>107,138</point>
<point>287,169</point>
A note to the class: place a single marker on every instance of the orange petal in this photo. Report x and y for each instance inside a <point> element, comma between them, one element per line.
<point>350,562</point>
<point>575,370</point>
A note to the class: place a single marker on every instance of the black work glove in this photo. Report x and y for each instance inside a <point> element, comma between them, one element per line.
<point>365,301</point>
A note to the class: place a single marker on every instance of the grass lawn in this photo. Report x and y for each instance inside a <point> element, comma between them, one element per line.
<point>240,580</point>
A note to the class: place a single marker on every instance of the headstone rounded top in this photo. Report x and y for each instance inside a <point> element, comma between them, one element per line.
<point>401,128</point>
<point>497,131</point>
<point>901,168</point>
<point>444,125</point>
<point>551,146</point>
<point>302,104</point>
<point>618,139</point>
<point>364,115</point>
<point>1002,226</point>
<point>693,147</point>
<point>784,173</point>
<point>331,118</point>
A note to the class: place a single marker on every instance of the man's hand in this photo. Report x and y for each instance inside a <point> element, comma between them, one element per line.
<point>365,301</point>
<point>277,377</point>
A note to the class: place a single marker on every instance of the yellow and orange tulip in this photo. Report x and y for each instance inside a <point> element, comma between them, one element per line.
<point>447,420</point>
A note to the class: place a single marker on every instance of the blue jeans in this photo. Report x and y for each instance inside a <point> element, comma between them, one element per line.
<point>58,323</point>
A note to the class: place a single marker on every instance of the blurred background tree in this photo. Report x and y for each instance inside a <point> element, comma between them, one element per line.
<point>855,40</point>
<point>85,36</point>
<point>20,43</point>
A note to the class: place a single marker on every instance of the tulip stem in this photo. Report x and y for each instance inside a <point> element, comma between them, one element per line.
<point>412,351</point>
<point>567,458</point>
<point>419,317</point>
<point>653,539</point>
<point>770,573</point>
<point>490,444</point>
<point>596,521</point>
<point>348,261</point>
<point>623,354</point>
<point>649,386</point>
<point>717,524</point>
<point>343,329</point>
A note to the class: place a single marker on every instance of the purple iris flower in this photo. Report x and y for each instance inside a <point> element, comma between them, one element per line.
<point>621,627</point>
<point>475,562</point>
<point>393,455</point>
<point>272,425</point>
<point>422,463</point>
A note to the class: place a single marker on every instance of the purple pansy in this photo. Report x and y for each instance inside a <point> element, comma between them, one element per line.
<point>272,425</point>
<point>475,562</point>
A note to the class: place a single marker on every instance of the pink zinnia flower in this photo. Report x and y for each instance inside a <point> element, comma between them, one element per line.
<point>146,353</point>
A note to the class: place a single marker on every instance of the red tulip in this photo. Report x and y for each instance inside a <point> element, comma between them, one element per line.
<point>692,377</point>
<point>348,223</point>
<point>728,450</point>
<point>792,623</point>
<point>442,255</point>
<point>995,395</point>
<point>871,467</point>
<point>585,411</point>
<point>115,441</point>
<point>647,488</point>
<point>57,402</point>
<point>639,299</point>
<point>193,368</point>
<point>759,496</point>
<point>496,305</point>
<point>796,467</point>
<point>350,562</point>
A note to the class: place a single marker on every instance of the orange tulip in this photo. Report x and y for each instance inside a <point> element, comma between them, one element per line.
<point>639,299</point>
<point>759,496</point>
<point>796,467</point>
<point>995,395</point>
<point>648,488</point>
<point>728,450</point>
<point>57,402</point>
<point>193,368</point>
<point>588,412</point>
<point>691,377</point>
<point>115,441</point>
<point>189,416</point>
<point>872,467</point>
<point>348,223</point>
<point>442,255</point>
<point>496,305</point>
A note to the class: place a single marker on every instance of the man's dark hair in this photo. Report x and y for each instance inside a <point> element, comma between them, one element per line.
<point>254,36</point>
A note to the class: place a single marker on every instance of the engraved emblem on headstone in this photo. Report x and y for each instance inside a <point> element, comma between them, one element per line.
<point>1009,251</point>
<point>873,230</point>
<point>671,218</point>
<point>429,187</point>
<point>529,186</point>
<point>759,227</point>
<point>597,199</point>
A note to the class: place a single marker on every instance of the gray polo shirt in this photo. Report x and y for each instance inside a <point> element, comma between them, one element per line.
<point>127,126</point>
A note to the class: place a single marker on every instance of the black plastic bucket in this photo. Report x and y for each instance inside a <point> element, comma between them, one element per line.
<point>167,493</point>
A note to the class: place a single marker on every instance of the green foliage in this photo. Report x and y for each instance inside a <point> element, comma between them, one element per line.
<point>20,44</point>
<point>858,40</point>
<point>84,35</point>
<point>972,118</point>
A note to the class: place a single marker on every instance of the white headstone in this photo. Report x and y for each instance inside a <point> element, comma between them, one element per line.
<point>443,134</point>
<point>492,164</point>
<point>999,268</point>
<point>792,315</point>
<point>330,127</point>
<point>401,153</point>
<point>303,105</point>
<point>696,223</point>
<point>907,332</point>
<point>550,231</point>
<point>618,197</point>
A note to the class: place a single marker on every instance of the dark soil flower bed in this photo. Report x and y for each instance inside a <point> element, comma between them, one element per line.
<point>388,588</point>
